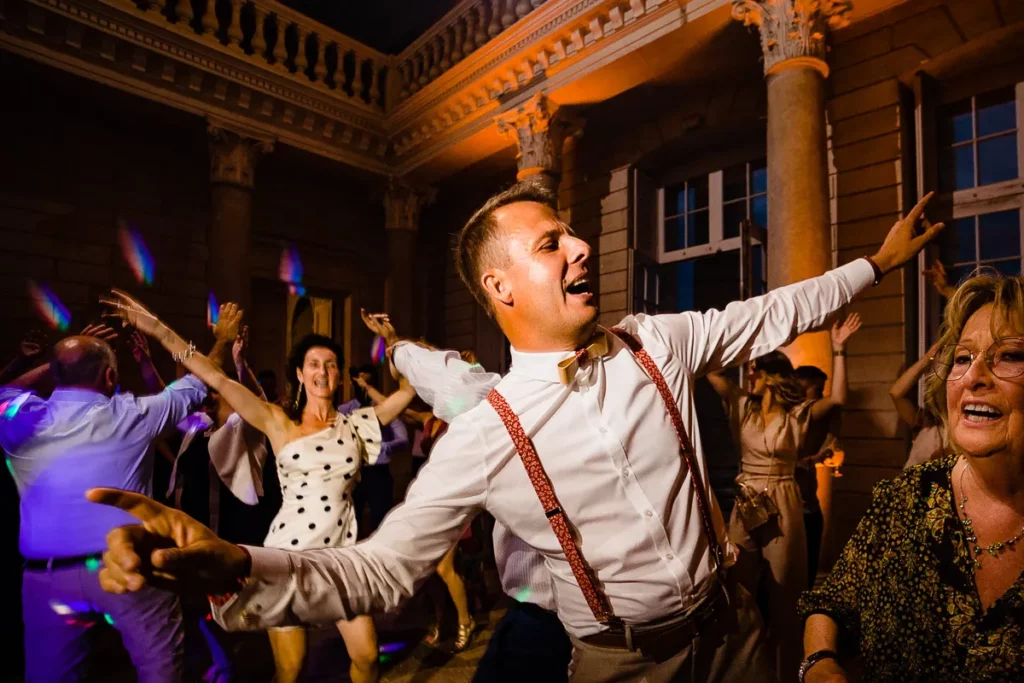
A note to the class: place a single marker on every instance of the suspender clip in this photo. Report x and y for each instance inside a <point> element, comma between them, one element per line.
<point>552,512</point>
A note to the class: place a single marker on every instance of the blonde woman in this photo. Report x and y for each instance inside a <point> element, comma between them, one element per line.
<point>772,423</point>
<point>931,585</point>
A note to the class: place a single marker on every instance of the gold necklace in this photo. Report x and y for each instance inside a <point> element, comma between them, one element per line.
<point>993,549</point>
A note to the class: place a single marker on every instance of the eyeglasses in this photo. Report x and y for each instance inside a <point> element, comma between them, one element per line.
<point>1004,358</point>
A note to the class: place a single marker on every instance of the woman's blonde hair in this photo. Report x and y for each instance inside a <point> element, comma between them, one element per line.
<point>986,286</point>
<point>781,379</point>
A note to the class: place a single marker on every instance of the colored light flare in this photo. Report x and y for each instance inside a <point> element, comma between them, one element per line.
<point>10,408</point>
<point>290,270</point>
<point>378,349</point>
<point>212,309</point>
<point>136,254</point>
<point>49,306</point>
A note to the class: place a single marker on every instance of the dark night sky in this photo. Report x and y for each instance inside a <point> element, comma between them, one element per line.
<point>387,25</point>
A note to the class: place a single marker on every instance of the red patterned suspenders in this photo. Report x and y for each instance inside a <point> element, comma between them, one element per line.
<point>556,517</point>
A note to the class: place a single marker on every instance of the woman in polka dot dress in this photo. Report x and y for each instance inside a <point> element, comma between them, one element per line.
<point>319,453</point>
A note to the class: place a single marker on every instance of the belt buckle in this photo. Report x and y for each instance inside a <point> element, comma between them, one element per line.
<point>629,637</point>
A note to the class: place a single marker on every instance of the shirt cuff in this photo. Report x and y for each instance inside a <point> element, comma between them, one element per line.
<point>860,274</point>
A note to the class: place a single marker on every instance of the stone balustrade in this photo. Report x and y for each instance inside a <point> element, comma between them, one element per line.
<point>278,38</point>
<point>469,26</point>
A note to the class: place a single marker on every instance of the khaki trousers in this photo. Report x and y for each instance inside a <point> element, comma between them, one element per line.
<point>732,650</point>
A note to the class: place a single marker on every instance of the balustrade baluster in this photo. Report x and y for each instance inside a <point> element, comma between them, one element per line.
<point>235,25</point>
<point>522,8</point>
<point>435,61</point>
<point>424,67</point>
<point>536,3</point>
<point>446,50</point>
<point>184,11</point>
<point>158,5</point>
<point>460,37</point>
<point>301,61</point>
<point>208,22</point>
<point>357,78</point>
<point>259,38</point>
<point>320,68</point>
<point>494,28</point>
<point>480,37</point>
<point>280,49</point>
<point>374,93</point>
<point>414,82</point>
<point>509,17</point>
<point>405,75</point>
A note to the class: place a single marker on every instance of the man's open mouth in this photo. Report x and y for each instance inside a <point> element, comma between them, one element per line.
<point>580,285</point>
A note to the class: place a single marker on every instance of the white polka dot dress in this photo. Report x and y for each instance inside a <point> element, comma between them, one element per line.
<point>318,473</point>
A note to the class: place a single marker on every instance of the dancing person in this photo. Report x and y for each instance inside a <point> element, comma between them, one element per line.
<point>767,523</point>
<point>319,452</point>
<point>84,436</point>
<point>644,573</point>
<point>376,488</point>
<point>813,380</point>
<point>931,585</point>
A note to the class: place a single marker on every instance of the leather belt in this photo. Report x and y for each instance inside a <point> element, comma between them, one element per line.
<point>673,632</point>
<point>60,562</point>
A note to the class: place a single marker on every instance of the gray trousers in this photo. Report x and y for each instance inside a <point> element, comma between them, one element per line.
<point>732,650</point>
<point>61,606</point>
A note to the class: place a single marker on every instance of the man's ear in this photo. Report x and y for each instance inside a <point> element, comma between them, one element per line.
<point>496,285</point>
<point>110,377</point>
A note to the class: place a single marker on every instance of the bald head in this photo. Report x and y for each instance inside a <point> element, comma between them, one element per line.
<point>84,362</point>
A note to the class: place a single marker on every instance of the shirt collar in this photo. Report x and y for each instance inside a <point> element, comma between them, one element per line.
<point>540,365</point>
<point>78,395</point>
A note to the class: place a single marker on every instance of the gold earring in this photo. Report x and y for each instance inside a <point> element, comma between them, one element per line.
<point>298,395</point>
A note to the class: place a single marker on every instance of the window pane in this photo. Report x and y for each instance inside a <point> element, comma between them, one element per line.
<point>698,229</point>
<point>965,241</point>
<point>955,123</point>
<point>957,170</point>
<point>758,177</point>
<point>958,275</point>
<point>697,193</point>
<point>997,112</point>
<point>734,182</point>
<point>997,159</point>
<point>759,210</point>
<point>760,286</point>
<point>675,200</point>
<point>732,215</point>
<point>1008,267</point>
<point>1000,234</point>
<point>675,233</point>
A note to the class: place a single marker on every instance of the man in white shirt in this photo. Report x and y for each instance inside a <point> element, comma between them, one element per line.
<point>638,574</point>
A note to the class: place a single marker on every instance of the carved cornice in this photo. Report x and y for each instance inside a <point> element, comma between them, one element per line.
<point>539,127</point>
<point>793,29</point>
<point>403,203</point>
<point>234,153</point>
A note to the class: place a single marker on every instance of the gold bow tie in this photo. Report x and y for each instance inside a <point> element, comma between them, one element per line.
<point>595,348</point>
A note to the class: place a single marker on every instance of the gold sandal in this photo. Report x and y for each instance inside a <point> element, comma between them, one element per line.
<point>464,636</point>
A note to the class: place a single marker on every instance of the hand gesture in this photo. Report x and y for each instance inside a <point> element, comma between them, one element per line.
<point>101,332</point>
<point>131,312</point>
<point>360,382</point>
<point>240,348</point>
<point>936,275</point>
<point>139,346</point>
<point>380,324</point>
<point>229,321</point>
<point>169,550</point>
<point>903,241</point>
<point>29,349</point>
<point>843,331</point>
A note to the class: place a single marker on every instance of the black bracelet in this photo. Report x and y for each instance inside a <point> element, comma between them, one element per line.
<point>813,659</point>
<point>878,271</point>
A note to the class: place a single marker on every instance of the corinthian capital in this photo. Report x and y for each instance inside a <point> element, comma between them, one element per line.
<point>539,128</point>
<point>793,29</point>
<point>233,155</point>
<point>403,203</point>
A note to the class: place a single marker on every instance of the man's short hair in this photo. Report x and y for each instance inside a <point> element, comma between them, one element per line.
<point>476,249</point>
<point>82,365</point>
<point>811,373</point>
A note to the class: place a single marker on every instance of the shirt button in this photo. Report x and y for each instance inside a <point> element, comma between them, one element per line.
<point>670,556</point>
<point>625,471</point>
<point>649,513</point>
<point>603,430</point>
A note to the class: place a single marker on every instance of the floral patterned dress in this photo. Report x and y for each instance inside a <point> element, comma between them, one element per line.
<point>903,591</point>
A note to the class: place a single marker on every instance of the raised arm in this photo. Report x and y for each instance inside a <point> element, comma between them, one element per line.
<point>140,352</point>
<point>906,408</point>
<point>837,395</point>
<point>709,341</point>
<point>264,416</point>
<point>240,354</point>
<point>726,389</point>
<point>391,407</point>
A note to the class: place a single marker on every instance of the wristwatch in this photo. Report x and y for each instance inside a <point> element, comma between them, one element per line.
<point>813,659</point>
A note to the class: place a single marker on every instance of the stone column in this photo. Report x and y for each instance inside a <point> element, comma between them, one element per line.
<point>793,40</point>
<point>402,206</point>
<point>233,158</point>
<point>539,128</point>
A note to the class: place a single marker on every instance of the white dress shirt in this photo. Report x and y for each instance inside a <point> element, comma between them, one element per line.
<point>609,448</point>
<point>452,386</point>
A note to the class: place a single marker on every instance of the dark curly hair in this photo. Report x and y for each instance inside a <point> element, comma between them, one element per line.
<point>292,407</point>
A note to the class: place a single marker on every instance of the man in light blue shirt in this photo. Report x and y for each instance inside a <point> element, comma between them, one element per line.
<point>85,436</point>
